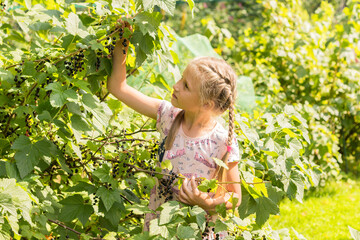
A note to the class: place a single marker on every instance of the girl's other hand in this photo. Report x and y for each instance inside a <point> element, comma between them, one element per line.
<point>192,196</point>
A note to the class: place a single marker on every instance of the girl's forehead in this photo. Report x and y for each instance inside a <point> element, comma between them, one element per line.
<point>191,75</point>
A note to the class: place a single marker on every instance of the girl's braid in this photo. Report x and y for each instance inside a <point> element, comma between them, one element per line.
<point>231,106</point>
<point>231,120</point>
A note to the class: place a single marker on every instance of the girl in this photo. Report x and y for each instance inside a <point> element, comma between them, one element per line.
<point>192,136</point>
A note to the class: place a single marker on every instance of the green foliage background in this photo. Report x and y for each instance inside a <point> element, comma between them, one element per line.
<point>77,163</point>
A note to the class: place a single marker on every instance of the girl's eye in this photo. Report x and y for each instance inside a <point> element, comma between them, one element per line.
<point>186,86</point>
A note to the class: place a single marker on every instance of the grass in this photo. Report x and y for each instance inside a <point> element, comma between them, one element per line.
<point>325,213</point>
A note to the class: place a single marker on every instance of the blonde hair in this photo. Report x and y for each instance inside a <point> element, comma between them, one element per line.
<point>217,84</point>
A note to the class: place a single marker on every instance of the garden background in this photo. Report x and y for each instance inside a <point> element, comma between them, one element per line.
<point>76,163</point>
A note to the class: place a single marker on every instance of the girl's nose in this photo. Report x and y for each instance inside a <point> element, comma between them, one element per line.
<point>176,87</point>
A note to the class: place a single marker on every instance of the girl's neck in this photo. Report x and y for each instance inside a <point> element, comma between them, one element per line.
<point>195,125</point>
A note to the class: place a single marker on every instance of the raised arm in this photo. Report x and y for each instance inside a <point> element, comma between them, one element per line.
<point>118,87</point>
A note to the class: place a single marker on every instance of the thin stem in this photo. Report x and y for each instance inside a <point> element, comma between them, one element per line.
<point>64,226</point>
<point>28,94</point>
<point>143,130</point>
<point>125,198</point>
<point>97,150</point>
<point>63,107</point>
<point>62,34</point>
<point>8,123</point>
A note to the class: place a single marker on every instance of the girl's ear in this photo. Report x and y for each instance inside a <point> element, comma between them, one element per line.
<point>209,105</point>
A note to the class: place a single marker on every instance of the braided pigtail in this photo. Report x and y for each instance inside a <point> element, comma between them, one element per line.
<point>221,171</point>
<point>174,129</point>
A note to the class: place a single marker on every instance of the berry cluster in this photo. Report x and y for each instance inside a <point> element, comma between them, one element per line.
<point>75,64</point>
<point>18,80</point>
<point>110,46</point>
<point>98,61</point>
<point>166,185</point>
<point>37,93</point>
<point>124,42</point>
<point>2,5</point>
<point>96,199</point>
<point>27,123</point>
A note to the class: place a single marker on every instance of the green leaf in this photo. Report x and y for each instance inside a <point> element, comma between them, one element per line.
<point>301,72</point>
<point>191,5</point>
<point>103,173</point>
<point>6,204</point>
<point>82,186</point>
<point>249,133</point>
<point>200,214</point>
<point>184,232</point>
<point>274,193</point>
<point>14,198</point>
<point>220,163</point>
<point>29,69</point>
<point>168,209</point>
<point>148,23</point>
<point>221,209</point>
<point>60,95</point>
<point>166,165</point>
<point>108,197</point>
<point>101,112</point>
<point>74,26</point>
<point>289,132</point>
<point>6,76</point>
<point>27,155</point>
<point>298,235</point>
<point>265,207</point>
<point>115,213</point>
<point>247,206</point>
<point>155,229</point>
<point>67,40</point>
<point>220,226</point>
<point>283,121</point>
<point>38,26</point>
<point>271,153</point>
<point>79,123</point>
<point>254,164</point>
<point>130,195</point>
<point>295,179</point>
<point>74,207</point>
<point>139,209</point>
<point>355,234</point>
<point>207,185</point>
<point>167,5</point>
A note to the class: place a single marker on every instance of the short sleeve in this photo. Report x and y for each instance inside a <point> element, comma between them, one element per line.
<point>165,117</point>
<point>234,153</point>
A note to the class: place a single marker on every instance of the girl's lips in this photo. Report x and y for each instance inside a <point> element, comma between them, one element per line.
<point>174,96</point>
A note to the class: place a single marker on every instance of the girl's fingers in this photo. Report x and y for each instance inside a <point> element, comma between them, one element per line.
<point>194,187</point>
<point>185,188</point>
<point>182,195</point>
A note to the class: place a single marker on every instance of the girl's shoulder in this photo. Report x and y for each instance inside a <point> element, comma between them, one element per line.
<point>165,116</point>
<point>219,131</point>
<point>220,134</point>
<point>167,111</point>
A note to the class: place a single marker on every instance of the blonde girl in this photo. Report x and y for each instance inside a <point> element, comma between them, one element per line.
<point>188,124</point>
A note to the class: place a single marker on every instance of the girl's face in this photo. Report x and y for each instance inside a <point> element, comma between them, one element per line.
<point>186,94</point>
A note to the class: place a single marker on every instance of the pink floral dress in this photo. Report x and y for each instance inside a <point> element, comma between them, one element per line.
<point>189,156</point>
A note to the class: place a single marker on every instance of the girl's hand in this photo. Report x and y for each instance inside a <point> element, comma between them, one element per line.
<point>192,196</point>
<point>122,45</point>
